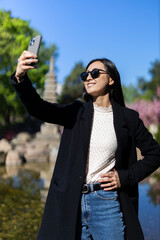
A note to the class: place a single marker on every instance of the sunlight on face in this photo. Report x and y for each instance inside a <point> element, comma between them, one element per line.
<point>100,85</point>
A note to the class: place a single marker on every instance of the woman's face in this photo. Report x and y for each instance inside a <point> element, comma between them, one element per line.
<point>98,86</point>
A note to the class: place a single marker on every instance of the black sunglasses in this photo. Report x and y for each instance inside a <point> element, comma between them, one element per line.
<point>94,74</point>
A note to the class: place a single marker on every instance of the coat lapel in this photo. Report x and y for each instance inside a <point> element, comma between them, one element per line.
<point>121,131</point>
<point>86,125</point>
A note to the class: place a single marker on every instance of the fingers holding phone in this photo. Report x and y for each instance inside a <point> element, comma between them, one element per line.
<point>24,64</point>
<point>28,59</point>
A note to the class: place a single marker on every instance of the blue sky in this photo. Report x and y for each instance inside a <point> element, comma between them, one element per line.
<point>125,31</point>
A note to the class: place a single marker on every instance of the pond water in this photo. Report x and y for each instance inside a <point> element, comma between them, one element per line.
<point>149,211</point>
<point>23,191</point>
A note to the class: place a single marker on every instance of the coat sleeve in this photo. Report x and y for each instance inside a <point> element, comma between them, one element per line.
<point>150,149</point>
<point>41,109</point>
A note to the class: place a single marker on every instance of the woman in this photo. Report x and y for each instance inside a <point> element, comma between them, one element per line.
<point>94,188</point>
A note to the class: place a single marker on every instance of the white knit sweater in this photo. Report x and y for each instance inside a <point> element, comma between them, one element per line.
<point>103,144</point>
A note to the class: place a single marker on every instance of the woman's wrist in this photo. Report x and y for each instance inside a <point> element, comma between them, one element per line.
<point>19,78</point>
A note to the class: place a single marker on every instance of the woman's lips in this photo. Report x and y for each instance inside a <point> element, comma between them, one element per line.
<point>90,84</point>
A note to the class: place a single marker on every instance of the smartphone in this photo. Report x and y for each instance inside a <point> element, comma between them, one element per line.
<point>34,45</point>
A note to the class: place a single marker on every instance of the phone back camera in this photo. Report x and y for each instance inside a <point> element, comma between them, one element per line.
<point>32,41</point>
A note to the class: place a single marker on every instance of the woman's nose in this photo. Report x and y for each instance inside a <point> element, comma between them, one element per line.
<point>89,77</point>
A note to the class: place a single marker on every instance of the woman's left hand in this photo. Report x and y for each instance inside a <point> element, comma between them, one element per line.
<point>110,180</point>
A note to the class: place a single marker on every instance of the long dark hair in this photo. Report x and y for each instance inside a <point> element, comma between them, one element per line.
<point>115,91</point>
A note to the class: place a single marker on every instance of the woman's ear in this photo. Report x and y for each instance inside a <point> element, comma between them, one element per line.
<point>111,81</point>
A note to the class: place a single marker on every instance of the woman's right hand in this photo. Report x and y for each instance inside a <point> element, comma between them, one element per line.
<point>24,62</point>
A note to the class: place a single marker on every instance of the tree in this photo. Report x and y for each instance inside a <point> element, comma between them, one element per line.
<point>130,93</point>
<point>73,85</point>
<point>145,90</point>
<point>15,35</point>
<point>155,73</point>
<point>149,88</point>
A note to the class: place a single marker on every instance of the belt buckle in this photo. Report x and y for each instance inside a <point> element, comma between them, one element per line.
<point>86,188</point>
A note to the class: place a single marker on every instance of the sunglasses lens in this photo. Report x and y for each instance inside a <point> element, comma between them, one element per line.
<point>95,73</point>
<point>84,76</point>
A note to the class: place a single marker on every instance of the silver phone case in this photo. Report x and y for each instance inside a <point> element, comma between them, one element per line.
<point>34,44</point>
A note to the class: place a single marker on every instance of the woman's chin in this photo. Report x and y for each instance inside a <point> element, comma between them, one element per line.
<point>91,93</point>
<point>94,93</point>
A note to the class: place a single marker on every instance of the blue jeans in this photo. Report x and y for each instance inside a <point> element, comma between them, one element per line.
<point>101,217</point>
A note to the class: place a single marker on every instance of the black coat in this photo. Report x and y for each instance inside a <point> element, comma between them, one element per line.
<point>61,218</point>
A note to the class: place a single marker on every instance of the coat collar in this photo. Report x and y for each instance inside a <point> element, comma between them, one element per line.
<point>117,111</point>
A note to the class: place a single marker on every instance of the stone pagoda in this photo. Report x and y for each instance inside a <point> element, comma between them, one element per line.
<point>50,84</point>
<point>50,131</point>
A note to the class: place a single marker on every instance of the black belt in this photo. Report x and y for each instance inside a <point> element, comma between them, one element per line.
<point>86,188</point>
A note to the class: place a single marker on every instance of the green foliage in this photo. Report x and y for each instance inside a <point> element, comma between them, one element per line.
<point>130,93</point>
<point>145,90</point>
<point>15,35</point>
<point>142,84</point>
<point>73,85</point>
<point>155,73</point>
<point>157,135</point>
<point>149,88</point>
<point>21,207</point>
